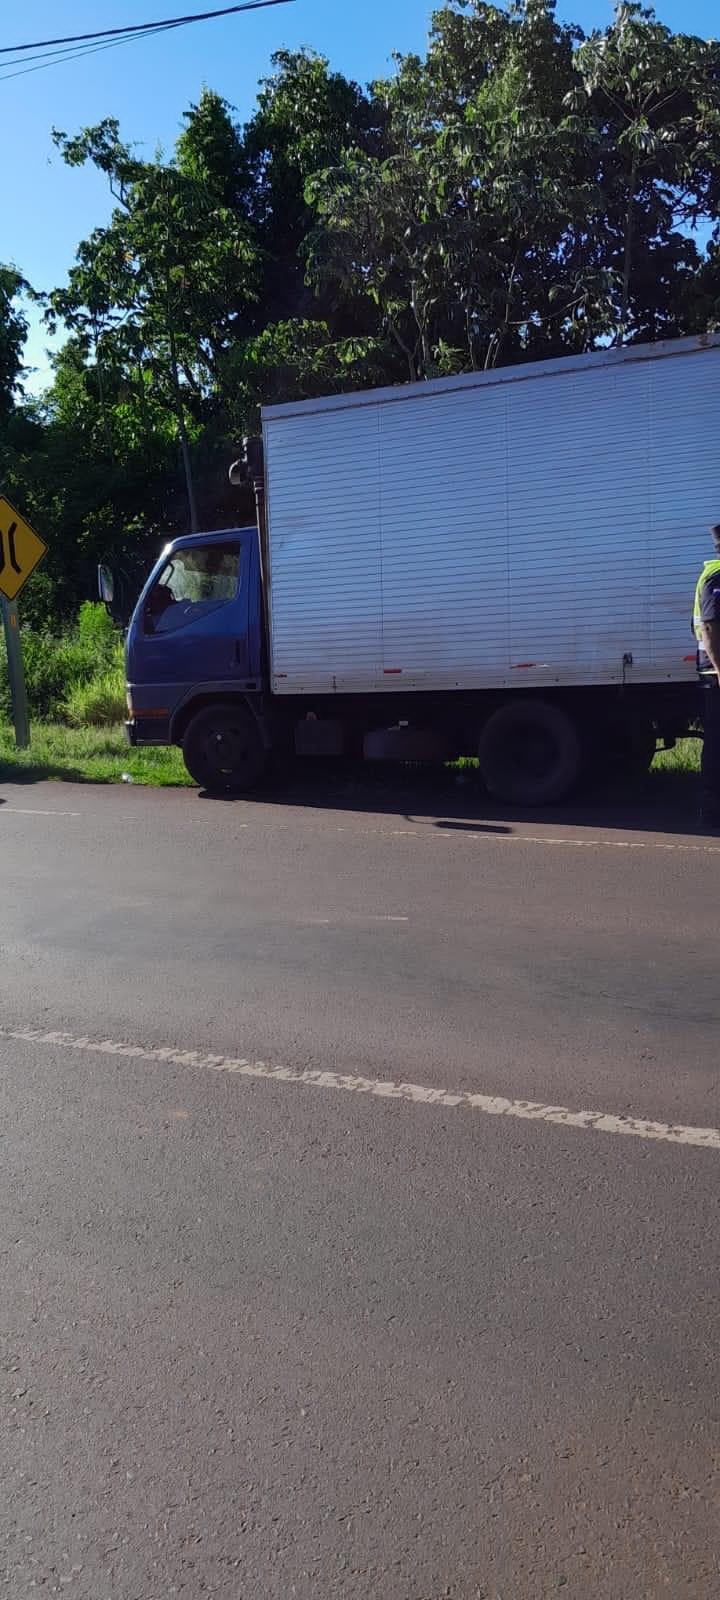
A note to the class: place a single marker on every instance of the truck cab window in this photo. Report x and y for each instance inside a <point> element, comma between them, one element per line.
<point>192,583</point>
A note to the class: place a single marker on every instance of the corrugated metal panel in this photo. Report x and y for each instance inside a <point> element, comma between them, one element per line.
<point>325,542</point>
<point>496,533</point>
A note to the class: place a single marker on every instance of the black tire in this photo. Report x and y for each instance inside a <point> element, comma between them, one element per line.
<point>530,753</point>
<point>223,751</point>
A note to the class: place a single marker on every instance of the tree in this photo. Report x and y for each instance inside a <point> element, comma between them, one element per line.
<point>466,232</point>
<point>306,117</point>
<point>13,332</point>
<point>653,100</point>
<point>211,151</point>
<point>164,287</point>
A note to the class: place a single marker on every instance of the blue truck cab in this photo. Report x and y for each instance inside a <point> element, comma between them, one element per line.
<point>196,659</point>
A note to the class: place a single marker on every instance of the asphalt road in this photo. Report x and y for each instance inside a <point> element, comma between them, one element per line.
<point>358,1199</point>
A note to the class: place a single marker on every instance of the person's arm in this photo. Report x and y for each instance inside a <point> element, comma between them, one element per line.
<point>711,644</point>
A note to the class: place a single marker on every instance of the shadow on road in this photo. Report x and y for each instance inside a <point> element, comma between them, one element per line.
<point>46,772</point>
<point>665,803</point>
<point>452,824</point>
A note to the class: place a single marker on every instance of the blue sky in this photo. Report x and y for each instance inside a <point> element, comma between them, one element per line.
<point>46,208</point>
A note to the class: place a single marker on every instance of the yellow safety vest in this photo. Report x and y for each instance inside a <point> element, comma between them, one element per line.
<point>709,568</point>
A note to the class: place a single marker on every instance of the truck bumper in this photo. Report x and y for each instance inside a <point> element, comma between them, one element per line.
<point>147,730</point>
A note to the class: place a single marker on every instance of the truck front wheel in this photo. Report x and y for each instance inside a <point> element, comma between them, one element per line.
<point>530,753</point>
<point>223,751</point>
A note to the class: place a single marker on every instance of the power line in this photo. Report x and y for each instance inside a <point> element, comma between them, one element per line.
<point>139,28</point>
<point>81,50</point>
<point>56,58</point>
<point>82,45</point>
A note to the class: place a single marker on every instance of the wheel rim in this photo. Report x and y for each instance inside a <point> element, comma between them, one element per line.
<point>230,752</point>
<point>532,752</point>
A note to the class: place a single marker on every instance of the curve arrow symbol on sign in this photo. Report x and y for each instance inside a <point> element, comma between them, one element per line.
<point>11,545</point>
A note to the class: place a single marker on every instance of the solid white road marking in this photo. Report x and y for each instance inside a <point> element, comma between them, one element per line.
<point>379,1089</point>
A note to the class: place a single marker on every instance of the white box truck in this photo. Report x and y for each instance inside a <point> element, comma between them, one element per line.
<point>498,565</point>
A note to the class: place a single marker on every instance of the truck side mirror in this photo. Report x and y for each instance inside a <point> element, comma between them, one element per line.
<point>251,466</point>
<point>106,585</point>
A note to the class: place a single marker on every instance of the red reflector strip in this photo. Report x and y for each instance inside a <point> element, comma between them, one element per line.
<point>392,672</point>
<point>520,666</point>
<point>690,658</point>
<point>144,714</point>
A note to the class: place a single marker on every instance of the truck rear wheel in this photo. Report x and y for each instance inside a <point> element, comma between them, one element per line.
<point>223,751</point>
<point>530,753</point>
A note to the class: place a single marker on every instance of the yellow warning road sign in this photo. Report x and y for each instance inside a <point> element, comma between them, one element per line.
<point>20,550</point>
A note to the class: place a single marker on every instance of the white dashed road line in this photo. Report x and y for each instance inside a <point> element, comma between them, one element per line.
<point>494,833</point>
<point>466,833</point>
<point>20,811</point>
<point>415,1093</point>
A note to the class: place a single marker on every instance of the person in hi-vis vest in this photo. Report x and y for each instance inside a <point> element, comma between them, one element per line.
<point>706,622</point>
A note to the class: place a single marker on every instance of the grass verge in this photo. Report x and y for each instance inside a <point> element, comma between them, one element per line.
<point>685,758</point>
<point>88,755</point>
<point>101,755</point>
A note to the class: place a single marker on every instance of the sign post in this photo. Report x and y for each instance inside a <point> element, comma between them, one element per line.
<point>20,552</point>
<point>16,674</point>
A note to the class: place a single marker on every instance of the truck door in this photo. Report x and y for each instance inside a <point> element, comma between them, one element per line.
<point>194,624</point>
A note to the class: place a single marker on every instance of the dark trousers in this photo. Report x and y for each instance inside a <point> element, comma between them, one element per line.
<point>710,712</point>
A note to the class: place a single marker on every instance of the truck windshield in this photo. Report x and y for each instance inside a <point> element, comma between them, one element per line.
<point>192,583</point>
